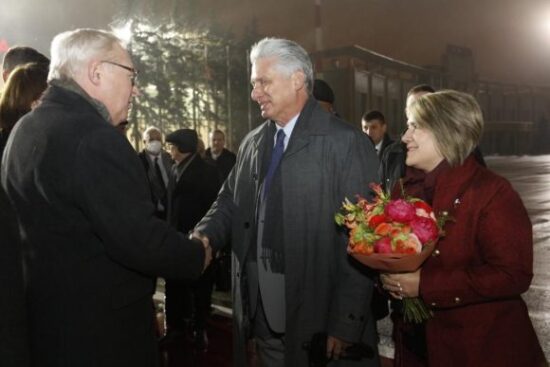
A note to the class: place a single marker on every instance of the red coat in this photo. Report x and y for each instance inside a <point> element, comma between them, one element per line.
<point>474,279</point>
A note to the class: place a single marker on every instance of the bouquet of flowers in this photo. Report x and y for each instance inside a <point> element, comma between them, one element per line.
<point>393,236</point>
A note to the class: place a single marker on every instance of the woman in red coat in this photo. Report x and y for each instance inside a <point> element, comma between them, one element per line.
<point>474,279</point>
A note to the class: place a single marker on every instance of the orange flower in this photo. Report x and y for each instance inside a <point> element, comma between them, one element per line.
<point>383,229</point>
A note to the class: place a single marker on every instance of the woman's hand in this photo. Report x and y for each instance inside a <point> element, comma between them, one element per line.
<point>402,284</point>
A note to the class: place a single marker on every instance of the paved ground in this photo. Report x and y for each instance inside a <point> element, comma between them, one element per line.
<point>530,176</point>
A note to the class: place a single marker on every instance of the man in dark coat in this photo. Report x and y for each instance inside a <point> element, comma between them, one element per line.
<point>157,164</point>
<point>14,348</point>
<point>93,245</point>
<point>193,187</point>
<point>292,275</point>
<point>219,155</point>
<point>374,125</point>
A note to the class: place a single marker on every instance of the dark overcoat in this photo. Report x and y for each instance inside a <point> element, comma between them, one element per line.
<point>193,194</point>
<point>14,346</point>
<point>93,244</point>
<point>325,161</point>
<point>475,278</point>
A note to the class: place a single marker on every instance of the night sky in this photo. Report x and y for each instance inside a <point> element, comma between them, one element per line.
<point>507,36</point>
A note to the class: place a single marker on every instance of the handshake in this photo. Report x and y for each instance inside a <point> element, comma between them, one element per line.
<point>197,236</point>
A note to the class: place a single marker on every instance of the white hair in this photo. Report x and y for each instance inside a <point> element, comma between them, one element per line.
<point>290,57</point>
<point>71,50</point>
<point>148,131</point>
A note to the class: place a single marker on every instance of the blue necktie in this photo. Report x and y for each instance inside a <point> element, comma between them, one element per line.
<point>276,156</point>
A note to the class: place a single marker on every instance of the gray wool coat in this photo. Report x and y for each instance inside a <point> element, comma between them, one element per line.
<point>325,161</point>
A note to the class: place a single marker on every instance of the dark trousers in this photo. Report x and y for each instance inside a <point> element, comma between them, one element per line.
<point>189,301</point>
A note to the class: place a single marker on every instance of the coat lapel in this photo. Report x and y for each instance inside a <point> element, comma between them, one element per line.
<point>310,122</point>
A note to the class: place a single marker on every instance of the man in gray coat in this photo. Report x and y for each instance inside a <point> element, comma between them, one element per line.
<point>92,245</point>
<point>292,275</point>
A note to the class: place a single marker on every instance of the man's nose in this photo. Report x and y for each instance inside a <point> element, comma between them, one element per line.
<point>135,91</point>
<point>254,94</point>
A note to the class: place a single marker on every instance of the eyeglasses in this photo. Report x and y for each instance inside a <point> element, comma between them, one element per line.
<point>134,72</point>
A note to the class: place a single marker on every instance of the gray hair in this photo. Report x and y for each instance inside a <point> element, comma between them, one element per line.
<point>148,131</point>
<point>290,57</point>
<point>71,50</point>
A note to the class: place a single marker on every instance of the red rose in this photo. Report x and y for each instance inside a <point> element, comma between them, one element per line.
<point>423,205</point>
<point>425,229</point>
<point>400,211</point>
<point>375,220</point>
<point>383,246</point>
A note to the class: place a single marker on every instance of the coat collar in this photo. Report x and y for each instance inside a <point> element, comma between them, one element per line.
<point>312,121</point>
<point>451,184</point>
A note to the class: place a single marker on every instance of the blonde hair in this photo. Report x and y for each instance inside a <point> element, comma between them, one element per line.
<point>455,120</point>
<point>24,86</point>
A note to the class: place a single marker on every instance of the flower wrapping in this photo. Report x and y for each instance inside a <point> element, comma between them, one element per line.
<point>393,236</point>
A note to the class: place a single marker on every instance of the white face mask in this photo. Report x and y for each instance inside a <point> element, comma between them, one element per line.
<point>153,147</point>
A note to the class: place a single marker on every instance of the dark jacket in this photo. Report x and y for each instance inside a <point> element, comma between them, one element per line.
<point>14,348</point>
<point>193,194</point>
<point>94,245</point>
<point>224,163</point>
<point>386,142</point>
<point>325,161</point>
<point>475,279</point>
<point>157,195</point>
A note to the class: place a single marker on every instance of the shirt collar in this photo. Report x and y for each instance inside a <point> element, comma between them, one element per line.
<point>288,128</point>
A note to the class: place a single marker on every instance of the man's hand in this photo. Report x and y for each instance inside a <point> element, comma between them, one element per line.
<point>207,249</point>
<point>336,347</point>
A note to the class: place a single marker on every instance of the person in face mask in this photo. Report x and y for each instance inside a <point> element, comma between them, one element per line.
<point>157,163</point>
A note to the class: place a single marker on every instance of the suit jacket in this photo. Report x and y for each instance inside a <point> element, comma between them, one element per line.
<point>225,161</point>
<point>386,142</point>
<point>94,245</point>
<point>325,161</point>
<point>147,164</point>
<point>193,194</point>
<point>475,278</point>
<point>14,348</point>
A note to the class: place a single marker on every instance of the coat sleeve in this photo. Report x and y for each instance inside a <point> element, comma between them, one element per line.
<point>112,190</point>
<point>216,224</point>
<point>503,266</point>
<point>350,308</point>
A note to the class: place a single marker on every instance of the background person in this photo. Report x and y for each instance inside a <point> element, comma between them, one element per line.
<point>374,125</point>
<point>475,278</point>
<point>157,164</point>
<point>21,55</point>
<point>21,93</point>
<point>219,155</point>
<point>193,187</point>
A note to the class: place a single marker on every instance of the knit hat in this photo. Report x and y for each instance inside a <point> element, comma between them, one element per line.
<point>184,139</point>
<point>322,91</point>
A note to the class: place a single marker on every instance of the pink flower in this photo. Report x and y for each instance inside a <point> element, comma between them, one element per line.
<point>400,211</point>
<point>425,229</point>
<point>383,246</point>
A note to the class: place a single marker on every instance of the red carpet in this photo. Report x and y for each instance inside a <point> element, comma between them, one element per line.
<point>180,351</point>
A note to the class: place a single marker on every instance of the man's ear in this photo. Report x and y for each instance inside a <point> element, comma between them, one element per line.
<point>298,80</point>
<point>94,72</point>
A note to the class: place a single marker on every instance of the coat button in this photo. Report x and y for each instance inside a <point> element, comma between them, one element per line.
<point>351,316</point>
<point>436,253</point>
<point>434,304</point>
<point>457,300</point>
<point>246,225</point>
